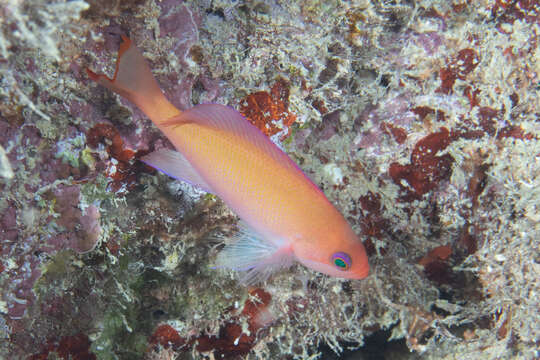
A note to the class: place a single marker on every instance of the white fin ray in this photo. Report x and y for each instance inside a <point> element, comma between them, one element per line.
<point>253,255</point>
<point>177,166</point>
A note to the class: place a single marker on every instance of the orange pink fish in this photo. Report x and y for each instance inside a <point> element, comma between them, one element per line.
<point>285,217</point>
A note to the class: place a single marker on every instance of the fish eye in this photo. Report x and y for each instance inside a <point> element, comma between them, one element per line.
<point>342,261</point>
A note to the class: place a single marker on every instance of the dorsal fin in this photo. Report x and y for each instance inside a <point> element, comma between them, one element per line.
<point>227,119</point>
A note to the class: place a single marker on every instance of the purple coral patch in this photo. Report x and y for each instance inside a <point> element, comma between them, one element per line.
<point>180,22</point>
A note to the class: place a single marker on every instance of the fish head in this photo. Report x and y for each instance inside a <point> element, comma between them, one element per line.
<point>339,253</point>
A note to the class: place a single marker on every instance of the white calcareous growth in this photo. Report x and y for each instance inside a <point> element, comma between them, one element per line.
<point>334,173</point>
<point>5,166</point>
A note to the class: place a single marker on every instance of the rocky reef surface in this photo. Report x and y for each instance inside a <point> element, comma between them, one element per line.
<point>418,119</point>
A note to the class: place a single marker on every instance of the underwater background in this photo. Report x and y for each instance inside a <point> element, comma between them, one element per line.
<point>418,119</point>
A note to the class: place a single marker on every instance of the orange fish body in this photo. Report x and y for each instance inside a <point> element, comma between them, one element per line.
<point>286,217</point>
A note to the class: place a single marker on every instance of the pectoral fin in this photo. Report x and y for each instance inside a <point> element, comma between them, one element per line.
<point>254,256</point>
<point>177,166</point>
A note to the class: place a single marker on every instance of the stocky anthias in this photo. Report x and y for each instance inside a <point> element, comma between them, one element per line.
<point>285,216</point>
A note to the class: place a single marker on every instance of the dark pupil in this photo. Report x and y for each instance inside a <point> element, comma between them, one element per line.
<point>340,263</point>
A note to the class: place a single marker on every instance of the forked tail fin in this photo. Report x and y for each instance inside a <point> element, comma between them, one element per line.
<point>134,81</point>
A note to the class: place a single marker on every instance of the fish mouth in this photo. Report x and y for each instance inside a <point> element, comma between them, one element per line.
<point>358,274</point>
<point>332,271</point>
<point>364,274</point>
